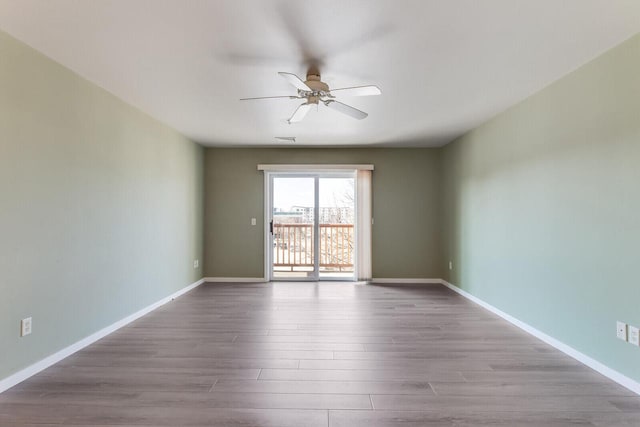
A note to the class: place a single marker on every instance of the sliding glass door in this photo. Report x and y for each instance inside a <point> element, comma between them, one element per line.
<point>336,218</point>
<point>293,228</point>
<point>311,226</point>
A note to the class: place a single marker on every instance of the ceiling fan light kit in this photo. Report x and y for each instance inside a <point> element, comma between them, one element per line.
<point>314,91</point>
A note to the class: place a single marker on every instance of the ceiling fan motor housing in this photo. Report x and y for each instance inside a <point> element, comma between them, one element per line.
<point>318,87</point>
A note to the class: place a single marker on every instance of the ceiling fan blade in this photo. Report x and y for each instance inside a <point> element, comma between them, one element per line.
<point>300,112</point>
<point>295,81</point>
<point>346,109</point>
<point>296,23</point>
<point>358,91</point>
<point>270,97</point>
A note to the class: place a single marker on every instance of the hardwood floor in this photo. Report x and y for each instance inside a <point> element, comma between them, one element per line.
<point>329,354</point>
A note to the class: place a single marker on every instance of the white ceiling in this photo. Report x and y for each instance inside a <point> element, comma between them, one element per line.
<point>444,67</point>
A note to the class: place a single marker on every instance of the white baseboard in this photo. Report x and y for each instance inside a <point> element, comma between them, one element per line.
<point>616,376</point>
<point>29,371</point>
<point>392,281</point>
<point>235,280</point>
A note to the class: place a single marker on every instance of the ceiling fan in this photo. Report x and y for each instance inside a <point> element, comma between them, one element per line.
<point>314,91</point>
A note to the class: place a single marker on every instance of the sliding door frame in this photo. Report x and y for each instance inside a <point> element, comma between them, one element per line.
<point>268,217</point>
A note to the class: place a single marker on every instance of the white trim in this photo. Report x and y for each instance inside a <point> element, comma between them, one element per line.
<point>43,364</point>
<point>405,281</point>
<point>235,279</point>
<point>312,168</point>
<point>616,376</point>
<point>316,230</point>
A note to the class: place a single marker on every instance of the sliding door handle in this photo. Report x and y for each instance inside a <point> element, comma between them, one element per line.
<point>271,226</point>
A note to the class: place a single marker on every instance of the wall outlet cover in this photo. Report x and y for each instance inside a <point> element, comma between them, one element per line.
<point>253,221</point>
<point>196,263</point>
<point>621,330</point>
<point>25,327</point>
<point>450,265</point>
<point>634,335</point>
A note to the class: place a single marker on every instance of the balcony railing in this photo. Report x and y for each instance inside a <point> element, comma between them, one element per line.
<point>294,246</point>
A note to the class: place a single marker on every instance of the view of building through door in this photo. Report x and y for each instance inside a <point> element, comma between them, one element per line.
<point>305,206</point>
<point>293,227</point>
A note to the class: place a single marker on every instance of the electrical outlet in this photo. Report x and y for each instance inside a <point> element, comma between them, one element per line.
<point>253,221</point>
<point>25,327</point>
<point>450,265</point>
<point>621,330</point>
<point>196,263</point>
<point>634,335</point>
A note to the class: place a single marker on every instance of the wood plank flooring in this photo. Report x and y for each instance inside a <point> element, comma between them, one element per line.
<point>328,354</point>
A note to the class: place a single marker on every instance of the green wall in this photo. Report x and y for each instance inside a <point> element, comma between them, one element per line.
<point>406,233</point>
<point>541,208</point>
<point>100,207</point>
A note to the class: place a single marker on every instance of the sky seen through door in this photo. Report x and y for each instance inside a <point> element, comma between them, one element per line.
<point>334,192</point>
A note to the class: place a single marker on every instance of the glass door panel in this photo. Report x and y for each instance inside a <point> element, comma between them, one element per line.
<point>293,228</point>
<point>336,217</point>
